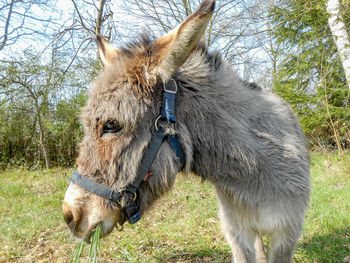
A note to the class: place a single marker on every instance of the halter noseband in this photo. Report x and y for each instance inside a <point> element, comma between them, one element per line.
<point>132,211</point>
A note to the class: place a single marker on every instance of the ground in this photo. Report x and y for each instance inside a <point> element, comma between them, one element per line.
<point>182,227</point>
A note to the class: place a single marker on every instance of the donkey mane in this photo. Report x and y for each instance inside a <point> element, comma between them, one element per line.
<point>142,42</point>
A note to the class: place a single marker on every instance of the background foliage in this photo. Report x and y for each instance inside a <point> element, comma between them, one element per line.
<point>310,76</point>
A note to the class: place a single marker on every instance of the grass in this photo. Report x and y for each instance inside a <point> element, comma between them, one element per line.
<point>95,247</point>
<point>182,227</point>
<point>77,254</point>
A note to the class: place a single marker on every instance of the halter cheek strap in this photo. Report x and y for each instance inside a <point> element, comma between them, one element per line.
<point>131,210</point>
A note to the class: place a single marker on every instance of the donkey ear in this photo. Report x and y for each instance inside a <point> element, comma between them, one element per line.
<point>175,47</point>
<point>107,52</point>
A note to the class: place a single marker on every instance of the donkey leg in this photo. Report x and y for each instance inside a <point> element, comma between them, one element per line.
<point>237,230</point>
<point>260,250</point>
<point>283,244</point>
<point>242,247</point>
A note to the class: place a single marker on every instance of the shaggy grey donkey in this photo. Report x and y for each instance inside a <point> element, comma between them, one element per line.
<point>245,140</point>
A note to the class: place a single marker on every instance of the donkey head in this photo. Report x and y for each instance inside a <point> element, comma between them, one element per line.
<point>119,118</point>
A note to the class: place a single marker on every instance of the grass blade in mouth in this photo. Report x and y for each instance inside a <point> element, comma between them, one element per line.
<point>95,247</point>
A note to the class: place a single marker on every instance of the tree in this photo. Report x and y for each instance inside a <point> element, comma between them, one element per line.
<point>32,86</point>
<point>310,76</point>
<point>237,28</point>
<point>341,38</point>
<point>91,18</point>
<point>42,91</point>
<point>30,82</point>
<point>24,19</point>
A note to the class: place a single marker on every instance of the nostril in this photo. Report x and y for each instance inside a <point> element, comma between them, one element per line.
<point>68,217</point>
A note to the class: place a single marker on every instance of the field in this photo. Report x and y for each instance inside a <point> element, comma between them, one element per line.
<point>182,227</point>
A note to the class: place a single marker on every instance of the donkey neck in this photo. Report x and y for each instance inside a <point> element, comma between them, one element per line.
<point>218,128</point>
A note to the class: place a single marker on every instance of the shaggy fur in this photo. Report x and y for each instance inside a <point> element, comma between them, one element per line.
<point>243,139</point>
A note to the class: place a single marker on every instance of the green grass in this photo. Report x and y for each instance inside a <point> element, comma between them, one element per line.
<point>182,227</point>
<point>78,252</point>
<point>94,250</point>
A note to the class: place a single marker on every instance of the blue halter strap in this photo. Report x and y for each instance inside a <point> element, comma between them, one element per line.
<point>132,211</point>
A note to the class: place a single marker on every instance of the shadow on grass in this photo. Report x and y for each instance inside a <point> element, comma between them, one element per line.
<point>333,247</point>
<point>196,256</point>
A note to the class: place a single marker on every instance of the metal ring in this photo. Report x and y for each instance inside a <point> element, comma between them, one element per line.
<point>119,226</point>
<point>156,122</point>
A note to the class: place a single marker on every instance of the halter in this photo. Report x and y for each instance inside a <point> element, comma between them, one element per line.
<point>131,210</point>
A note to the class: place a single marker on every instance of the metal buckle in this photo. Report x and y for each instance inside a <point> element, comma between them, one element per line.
<point>156,122</point>
<point>166,87</point>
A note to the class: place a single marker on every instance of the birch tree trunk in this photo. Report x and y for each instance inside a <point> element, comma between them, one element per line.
<point>338,29</point>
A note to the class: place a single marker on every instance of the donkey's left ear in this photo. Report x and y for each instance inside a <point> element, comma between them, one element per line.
<point>175,47</point>
<point>107,52</point>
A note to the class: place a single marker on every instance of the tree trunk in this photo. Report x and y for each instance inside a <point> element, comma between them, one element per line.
<point>338,29</point>
<point>98,26</point>
<point>42,142</point>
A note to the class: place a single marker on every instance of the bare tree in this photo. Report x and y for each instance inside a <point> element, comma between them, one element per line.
<point>232,29</point>
<point>21,19</point>
<point>238,29</point>
<point>93,17</point>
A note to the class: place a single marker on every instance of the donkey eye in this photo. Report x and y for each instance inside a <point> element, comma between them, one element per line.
<point>111,127</point>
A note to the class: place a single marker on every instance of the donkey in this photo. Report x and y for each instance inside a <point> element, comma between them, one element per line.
<point>167,106</point>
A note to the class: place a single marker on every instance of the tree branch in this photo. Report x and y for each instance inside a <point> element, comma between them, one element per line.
<point>7,26</point>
